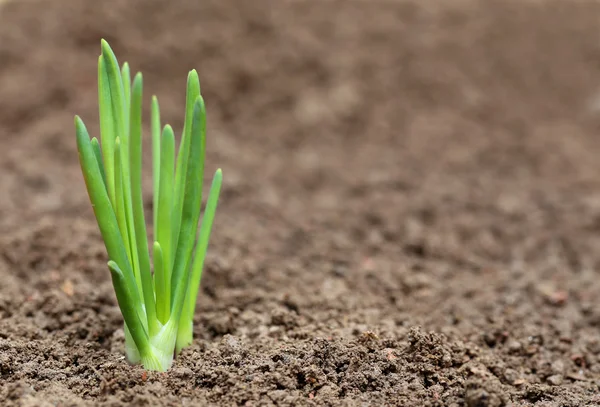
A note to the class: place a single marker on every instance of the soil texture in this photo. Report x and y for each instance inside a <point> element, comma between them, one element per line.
<point>410,213</point>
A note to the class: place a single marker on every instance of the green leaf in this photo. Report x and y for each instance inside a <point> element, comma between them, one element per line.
<point>117,91</point>
<point>156,133</point>
<point>105,215</point>
<point>193,92</point>
<point>198,263</point>
<point>126,300</point>
<point>107,128</point>
<point>162,295</point>
<point>98,154</point>
<point>121,215</point>
<point>203,240</point>
<point>120,111</point>
<point>126,79</point>
<point>191,209</point>
<point>164,234</point>
<point>141,240</point>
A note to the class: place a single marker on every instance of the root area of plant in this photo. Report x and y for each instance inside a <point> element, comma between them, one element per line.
<point>410,213</point>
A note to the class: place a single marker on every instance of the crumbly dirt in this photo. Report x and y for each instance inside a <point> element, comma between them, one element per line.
<point>410,214</point>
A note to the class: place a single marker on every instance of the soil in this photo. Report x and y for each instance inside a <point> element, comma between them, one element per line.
<point>410,214</point>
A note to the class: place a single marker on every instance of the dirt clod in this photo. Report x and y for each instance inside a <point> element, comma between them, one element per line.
<point>410,212</point>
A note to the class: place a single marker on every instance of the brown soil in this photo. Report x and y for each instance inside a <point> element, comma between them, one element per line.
<point>410,214</point>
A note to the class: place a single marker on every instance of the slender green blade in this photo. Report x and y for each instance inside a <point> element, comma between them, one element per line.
<point>98,154</point>
<point>107,128</point>
<point>162,295</point>
<point>126,79</point>
<point>120,111</point>
<point>191,209</point>
<point>135,134</point>
<point>202,246</point>
<point>192,93</point>
<point>122,220</point>
<point>117,91</point>
<point>164,233</point>
<point>156,133</point>
<point>126,301</point>
<point>105,215</point>
<point>121,216</point>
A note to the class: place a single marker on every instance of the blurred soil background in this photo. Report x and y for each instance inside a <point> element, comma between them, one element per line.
<point>410,214</point>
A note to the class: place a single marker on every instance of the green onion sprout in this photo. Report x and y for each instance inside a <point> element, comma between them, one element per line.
<point>157,305</point>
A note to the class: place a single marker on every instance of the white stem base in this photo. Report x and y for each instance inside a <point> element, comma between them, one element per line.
<point>185,336</point>
<point>131,351</point>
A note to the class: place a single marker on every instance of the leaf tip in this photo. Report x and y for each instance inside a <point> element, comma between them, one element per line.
<point>79,125</point>
<point>199,103</point>
<point>106,49</point>
<point>193,81</point>
<point>104,45</point>
<point>115,269</point>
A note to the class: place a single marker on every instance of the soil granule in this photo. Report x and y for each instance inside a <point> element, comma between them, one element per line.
<point>410,214</point>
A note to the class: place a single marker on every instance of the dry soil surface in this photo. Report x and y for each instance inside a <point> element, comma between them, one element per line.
<point>410,214</point>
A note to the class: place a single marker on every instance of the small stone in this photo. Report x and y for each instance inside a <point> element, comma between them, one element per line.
<point>183,372</point>
<point>576,376</point>
<point>490,339</point>
<point>477,397</point>
<point>514,346</point>
<point>511,375</point>
<point>558,367</point>
<point>230,344</point>
<point>531,349</point>
<point>555,380</point>
<point>67,288</point>
<point>482,398</point>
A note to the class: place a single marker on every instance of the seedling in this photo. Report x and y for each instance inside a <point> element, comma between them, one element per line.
<point>157,307</point>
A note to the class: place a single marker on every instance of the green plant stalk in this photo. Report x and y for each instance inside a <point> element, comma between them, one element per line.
<point>126,80</point>
<point>157,313</point>
<point>119,84</point>
<point>164,233</point>
<point>192,93</point>
<point>162,297</point>
<point>119,93</point>
<point>186,322</point>
<point>156,163</point>
<point>130,304</point>
<point>98,154</point>
<point>107,128</point>
<point>190,213</point>
<point>141,242</point>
